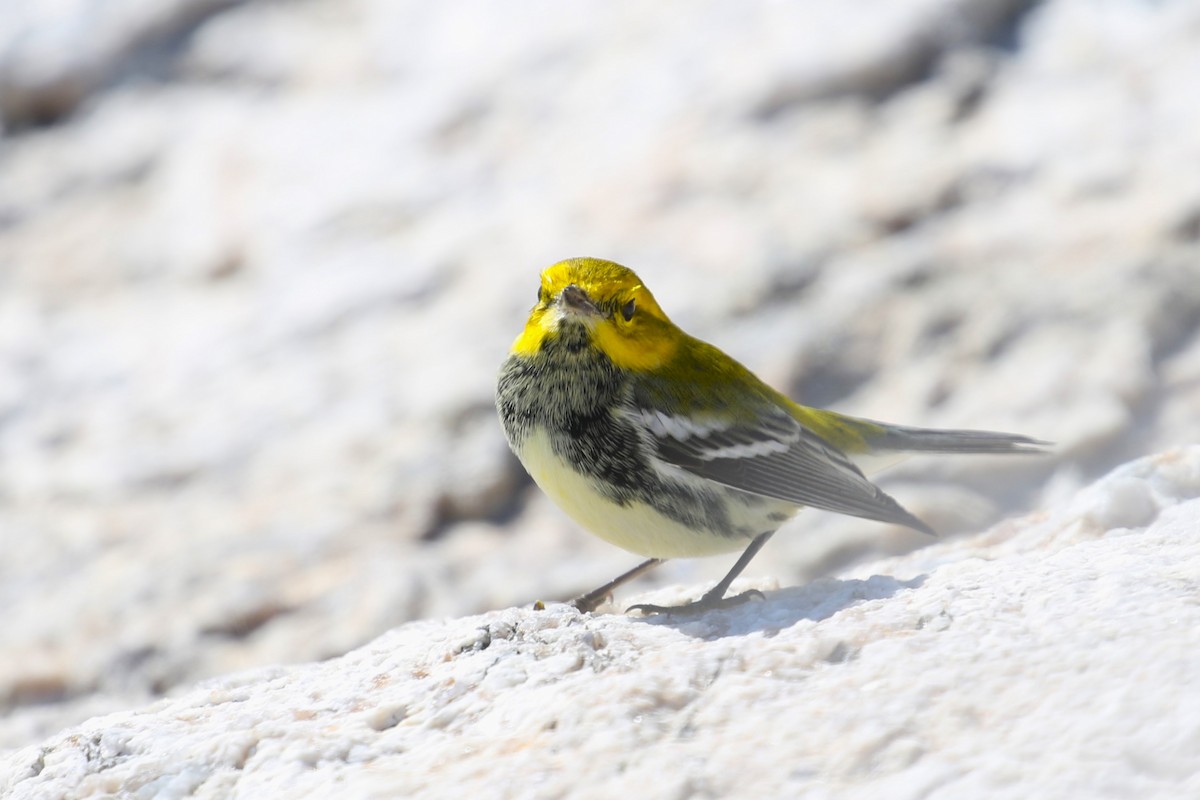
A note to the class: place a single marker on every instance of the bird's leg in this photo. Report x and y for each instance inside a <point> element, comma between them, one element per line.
<point>715,597</point>
<point>589,602</point>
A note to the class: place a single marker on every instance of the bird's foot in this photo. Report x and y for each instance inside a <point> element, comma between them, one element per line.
<point>586,604</point>
<point>708,602</point>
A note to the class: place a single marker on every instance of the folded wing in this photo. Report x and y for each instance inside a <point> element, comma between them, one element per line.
<point>774,456</point>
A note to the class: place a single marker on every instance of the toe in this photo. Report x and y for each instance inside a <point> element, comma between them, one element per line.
<point>705,603</point>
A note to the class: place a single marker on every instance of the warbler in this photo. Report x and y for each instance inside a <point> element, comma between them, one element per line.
<point>665,446</point>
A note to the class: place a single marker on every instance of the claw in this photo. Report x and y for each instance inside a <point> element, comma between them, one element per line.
<point>705,603</point>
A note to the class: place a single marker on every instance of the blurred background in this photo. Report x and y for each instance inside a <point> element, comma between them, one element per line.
<point>260,261</point>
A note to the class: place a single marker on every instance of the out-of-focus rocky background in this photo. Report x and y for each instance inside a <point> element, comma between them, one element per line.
<point>259,262</point>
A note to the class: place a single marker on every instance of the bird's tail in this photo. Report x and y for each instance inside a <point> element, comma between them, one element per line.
<point>884,438</point>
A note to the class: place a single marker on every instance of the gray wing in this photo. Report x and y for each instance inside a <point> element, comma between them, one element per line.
<point>774,456</point>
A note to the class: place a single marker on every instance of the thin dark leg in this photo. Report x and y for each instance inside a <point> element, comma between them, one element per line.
<point>589,602</point>
<point>718,591</point>
<point>715,597</point>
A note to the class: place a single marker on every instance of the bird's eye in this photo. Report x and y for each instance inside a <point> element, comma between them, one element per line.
<point>628,309</point>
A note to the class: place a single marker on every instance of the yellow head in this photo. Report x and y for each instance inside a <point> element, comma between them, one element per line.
<point>605,305</point>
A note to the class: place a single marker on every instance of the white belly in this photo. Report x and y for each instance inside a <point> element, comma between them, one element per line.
<point>635,527</point>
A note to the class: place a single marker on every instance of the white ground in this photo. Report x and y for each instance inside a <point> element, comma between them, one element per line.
<point>1056,656</point>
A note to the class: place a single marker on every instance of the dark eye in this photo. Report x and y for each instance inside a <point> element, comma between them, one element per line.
<point>628,309</point>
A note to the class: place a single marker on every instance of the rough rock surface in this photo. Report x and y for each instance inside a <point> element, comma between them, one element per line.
<point>1054,656</point>
<point>259,262</point>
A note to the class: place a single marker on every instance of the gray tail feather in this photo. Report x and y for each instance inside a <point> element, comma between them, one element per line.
<point>928,440</point>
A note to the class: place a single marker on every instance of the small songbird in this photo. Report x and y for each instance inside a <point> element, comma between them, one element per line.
<point>665,446</point>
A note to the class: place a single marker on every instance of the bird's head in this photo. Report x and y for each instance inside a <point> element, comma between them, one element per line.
<point>591,303</point>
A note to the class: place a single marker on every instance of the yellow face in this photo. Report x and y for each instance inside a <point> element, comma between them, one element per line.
<point>607,301</point>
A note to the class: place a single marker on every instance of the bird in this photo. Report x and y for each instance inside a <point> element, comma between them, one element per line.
<point>667,447</point>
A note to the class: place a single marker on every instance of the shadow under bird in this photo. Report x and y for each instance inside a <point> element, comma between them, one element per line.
<point>667,447</point>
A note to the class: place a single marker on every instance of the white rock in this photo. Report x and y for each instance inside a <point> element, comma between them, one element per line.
<point>54,54</point>
<point>1054,656</point>
<point>254,291</point>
